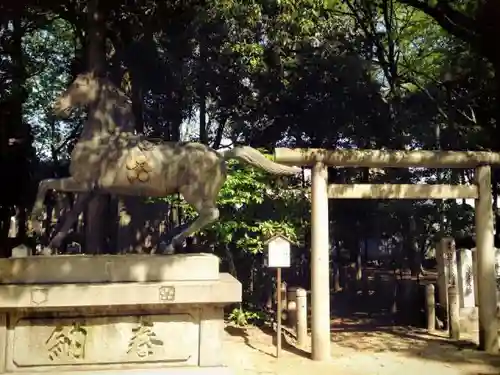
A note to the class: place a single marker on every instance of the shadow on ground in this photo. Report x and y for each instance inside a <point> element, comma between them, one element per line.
<point>364,324</point>
<point>268,331</point>
<point>409,342</point>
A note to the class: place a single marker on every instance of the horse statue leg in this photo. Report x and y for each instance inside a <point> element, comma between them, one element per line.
<point>67,185</point>
<point>169,237</point>
<point>204,202</point>
<point>63,228</point>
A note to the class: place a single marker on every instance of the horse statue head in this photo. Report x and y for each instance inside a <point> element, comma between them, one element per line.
<point>84,90</point>
<point>112,108</point>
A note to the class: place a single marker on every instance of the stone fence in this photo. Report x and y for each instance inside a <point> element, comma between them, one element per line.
<point>459,267</point>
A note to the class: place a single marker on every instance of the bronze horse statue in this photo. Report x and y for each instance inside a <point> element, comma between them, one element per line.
<point>110,158</point>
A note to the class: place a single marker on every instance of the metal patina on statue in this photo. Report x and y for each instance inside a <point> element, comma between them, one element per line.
<point>110,158</point>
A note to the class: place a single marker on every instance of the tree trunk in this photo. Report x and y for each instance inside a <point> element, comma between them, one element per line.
<point>15,140</point>
<point>129,47</point>
<point>414,256</point>
<point>5,215</point>
<point>202,89</point>
<point>495,171</point>
<point>20,129</point>
<point>136,96</point>
<point>98,206</point>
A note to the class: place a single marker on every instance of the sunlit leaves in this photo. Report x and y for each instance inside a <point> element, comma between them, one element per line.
<point>49,52</point>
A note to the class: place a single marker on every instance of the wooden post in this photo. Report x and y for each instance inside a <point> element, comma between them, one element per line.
<point>430,302</point>
<point>278,312</point>
<point>453,308</point>
<point>301,326</point>
<point>320,275</point>
<point>487,293</point>
<point>278,256</point>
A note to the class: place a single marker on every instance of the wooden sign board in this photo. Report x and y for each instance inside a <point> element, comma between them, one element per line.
<point>278,252</point>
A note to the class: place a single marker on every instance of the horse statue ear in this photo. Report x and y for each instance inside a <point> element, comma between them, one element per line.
<point>96,75</point>
<point>93,76</point>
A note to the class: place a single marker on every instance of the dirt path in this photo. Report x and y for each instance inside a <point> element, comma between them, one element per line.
<point>358,350</point>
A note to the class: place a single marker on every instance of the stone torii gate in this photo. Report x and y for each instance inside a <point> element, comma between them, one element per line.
<point>320,159</point>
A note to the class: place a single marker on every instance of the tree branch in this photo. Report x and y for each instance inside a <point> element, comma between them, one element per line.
<point>70,137</point>
<point>219,133</point>
<point>453,21</point>
<point>471,118</point>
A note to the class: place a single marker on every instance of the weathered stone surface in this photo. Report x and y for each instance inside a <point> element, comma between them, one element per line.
<point>467,285</point>
<point>21,251</point>
<point>225,290</point>
<point>3,341</point>
<point>465,279</point>
<point>219,370</point>
<point>128,338</point>
<point>469,320</point>
<point>170,327</point>
<point>211,331</point>
<point>101,340</point>
<point>108,268</point>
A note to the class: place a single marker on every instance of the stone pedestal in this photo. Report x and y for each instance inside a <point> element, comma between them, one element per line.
<point>145,314</point>
<point>466,291</point>
<point>465,279</point>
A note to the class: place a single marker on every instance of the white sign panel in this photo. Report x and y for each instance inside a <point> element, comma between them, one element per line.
<point>278,253</point>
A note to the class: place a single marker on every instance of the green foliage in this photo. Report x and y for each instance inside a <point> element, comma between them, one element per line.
<point>49,52</point>
<point>243,318</point>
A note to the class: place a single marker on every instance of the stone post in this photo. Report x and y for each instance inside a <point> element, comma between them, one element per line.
<point>291,308</point>
<point>284,297</point>
<point>442,279</point>
<point>454,319</point>
<point>430,310</point>
<point>320,275</point>
<point>465,279</point>
<point>486,281</point>
<point>447,271</point>
<point>301,326</point>
<point>474,276</point>
<point>467,289</point>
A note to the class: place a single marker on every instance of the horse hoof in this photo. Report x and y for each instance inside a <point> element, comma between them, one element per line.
<point>74,248</point>
<point>44,251</point>
<point>56,242</point>
<point>169,250</point>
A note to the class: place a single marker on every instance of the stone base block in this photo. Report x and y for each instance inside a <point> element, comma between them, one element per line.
<point>469,320</point>
<point>124,338</point>
<point>220,370</point>
<point>170,327</point>
<point>225,290</point>
<point>108,268</point>
<point>111,315</point>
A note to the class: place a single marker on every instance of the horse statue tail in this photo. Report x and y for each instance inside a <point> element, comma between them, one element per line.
<point>253,157</point>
